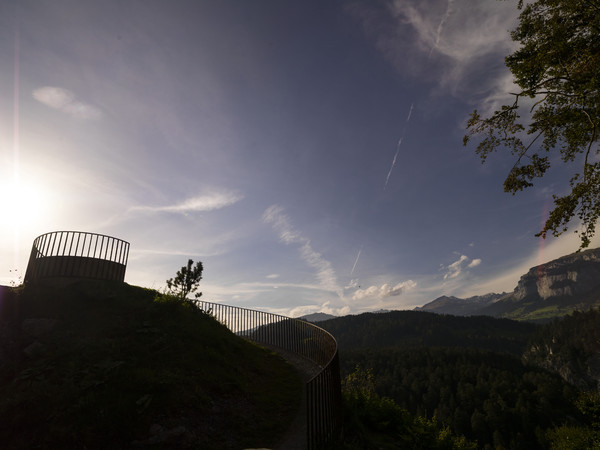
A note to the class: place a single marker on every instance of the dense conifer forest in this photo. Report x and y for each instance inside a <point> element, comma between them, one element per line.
<point>478,377</point>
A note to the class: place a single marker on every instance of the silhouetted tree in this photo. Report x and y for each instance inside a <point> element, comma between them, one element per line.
<point>186,281</point>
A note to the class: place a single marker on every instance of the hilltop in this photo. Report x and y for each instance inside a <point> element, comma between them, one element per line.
<point>107,365</point>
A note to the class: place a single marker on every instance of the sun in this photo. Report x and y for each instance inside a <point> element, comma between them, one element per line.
<point>23,203</point>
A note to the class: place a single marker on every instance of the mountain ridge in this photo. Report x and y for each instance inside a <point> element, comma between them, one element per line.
<point>553,289</point>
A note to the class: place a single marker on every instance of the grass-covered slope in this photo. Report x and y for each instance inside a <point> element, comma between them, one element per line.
<point>107,365</point>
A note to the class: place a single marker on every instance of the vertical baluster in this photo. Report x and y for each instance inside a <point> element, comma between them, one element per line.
<point>62,252</point>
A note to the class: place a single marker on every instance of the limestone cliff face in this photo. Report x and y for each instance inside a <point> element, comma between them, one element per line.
<point>554,289</point>
<point>571,275</point>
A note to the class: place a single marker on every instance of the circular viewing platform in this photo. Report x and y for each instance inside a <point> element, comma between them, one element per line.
<point>77,254</point>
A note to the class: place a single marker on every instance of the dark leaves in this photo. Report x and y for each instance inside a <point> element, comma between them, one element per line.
<point>557,65</point>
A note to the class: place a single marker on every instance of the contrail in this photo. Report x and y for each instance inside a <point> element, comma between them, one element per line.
<point>440,27</point>
<point>355,261</point>
<point>410,112</point>
<point>387,179</point>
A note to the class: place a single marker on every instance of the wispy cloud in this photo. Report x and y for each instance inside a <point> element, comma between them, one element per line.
<point>457,268</point>
<point>201,203</point>
<point>454,43</point>
<point>281,223</point>
<point>272,276</point>
<point>441,26</point>
<point>384,291</point>
<point>65,101</point>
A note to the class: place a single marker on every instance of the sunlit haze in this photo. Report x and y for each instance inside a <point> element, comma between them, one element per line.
<point>309,153</point>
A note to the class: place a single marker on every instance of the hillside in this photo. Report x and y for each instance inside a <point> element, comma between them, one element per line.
<point>467,373</point>
<point>419,329</point>
<point>107,365</point>
<point>570,347</point>
<point>555,289</point>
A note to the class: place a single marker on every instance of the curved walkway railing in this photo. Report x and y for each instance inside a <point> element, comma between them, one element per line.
<point>77,254</point>
<point>323,391</point>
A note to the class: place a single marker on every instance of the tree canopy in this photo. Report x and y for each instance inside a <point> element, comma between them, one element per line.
<point>556,111</point>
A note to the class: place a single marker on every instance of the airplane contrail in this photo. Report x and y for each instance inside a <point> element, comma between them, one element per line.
<point>355,261</point>
<point>387,179</point>
<point>440,27</point>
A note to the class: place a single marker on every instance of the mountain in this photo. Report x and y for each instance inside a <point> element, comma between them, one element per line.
<point>460,306</point>
<point>559,287</point>
<point>317,317</point>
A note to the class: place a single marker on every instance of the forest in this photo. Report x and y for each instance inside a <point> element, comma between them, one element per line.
<point>498,383</point>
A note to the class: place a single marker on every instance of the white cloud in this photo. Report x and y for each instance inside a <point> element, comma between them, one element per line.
<point>281,223</point>
<point>65,101</point>
<point>310,309</point>
<point>272,276</point>
<point>384,291</point>
<point>455,269</point>
<point>200,203</point>
<point>353,284</point>
<point>474,263</point>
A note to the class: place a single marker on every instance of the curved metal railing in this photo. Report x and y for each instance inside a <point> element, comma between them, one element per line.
<point>323,391</point>
<point>77,254</point>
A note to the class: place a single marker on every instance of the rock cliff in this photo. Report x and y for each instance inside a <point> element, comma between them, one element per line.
<point>571,275</point>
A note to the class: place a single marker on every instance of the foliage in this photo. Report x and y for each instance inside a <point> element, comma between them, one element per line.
<point>569,346</point>
<point>589,405</point>
<point>569,437</point>
<point>556,69</point>
<point>485,396</point>
<point>467,375</point>
<point>374,422</point>
<point>121,363</point>
<point>186,280</point>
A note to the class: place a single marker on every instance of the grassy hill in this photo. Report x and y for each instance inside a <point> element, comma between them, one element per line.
<point>107,365</point>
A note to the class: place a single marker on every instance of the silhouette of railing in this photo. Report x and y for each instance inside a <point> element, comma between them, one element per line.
<point>323,391</point>
<point>77,254</point>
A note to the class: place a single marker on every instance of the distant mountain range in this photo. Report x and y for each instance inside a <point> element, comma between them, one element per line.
<point>460,306</point>
<point>317,317</point>
<point>546,291</point>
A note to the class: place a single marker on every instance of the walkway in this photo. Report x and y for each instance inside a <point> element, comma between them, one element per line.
<point>295,437</point>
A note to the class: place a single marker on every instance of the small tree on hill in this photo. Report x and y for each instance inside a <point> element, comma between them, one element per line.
<point>186,281</point>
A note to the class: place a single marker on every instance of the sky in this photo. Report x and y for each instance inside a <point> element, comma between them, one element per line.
<point>309,153</point>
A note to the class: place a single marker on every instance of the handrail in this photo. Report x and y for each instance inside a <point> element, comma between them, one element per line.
<point>77,254</point>
<point>323,391</point>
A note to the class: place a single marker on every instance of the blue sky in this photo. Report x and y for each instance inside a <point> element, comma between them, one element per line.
<point>308,153</point>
